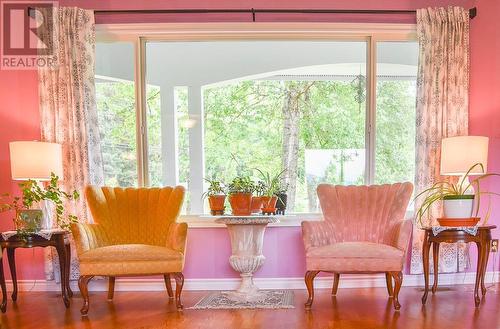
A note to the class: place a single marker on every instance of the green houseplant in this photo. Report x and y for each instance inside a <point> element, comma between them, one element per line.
<point>260,189</point>
<point>216,195</point>
<point>27,218</point>
<point>458,198</point>
<point>240,195</point>
<point>271,188</point>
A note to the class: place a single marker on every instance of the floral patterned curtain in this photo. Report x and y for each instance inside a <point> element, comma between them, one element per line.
<point>442,110</point>
<point>68,108</point>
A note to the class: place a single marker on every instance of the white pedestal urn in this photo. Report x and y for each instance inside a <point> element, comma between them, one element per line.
<point>247,238</point>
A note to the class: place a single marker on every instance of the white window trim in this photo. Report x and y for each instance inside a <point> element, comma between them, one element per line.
<point>139,34</point>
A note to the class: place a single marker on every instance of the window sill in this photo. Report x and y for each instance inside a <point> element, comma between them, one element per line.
<point>207,221</point>
<point>292,220</point>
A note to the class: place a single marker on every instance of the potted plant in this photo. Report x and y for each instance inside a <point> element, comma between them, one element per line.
<point>271,188</point>
<point>29,219</point>
<point>257,199</point>
<point>240,195</point>
<point>458,199</point>
<point>216,197</point>
<point>282,199</point>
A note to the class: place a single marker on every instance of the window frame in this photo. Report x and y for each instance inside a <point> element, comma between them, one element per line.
<point>140,34</point>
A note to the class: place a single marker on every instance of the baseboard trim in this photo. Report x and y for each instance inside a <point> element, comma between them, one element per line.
<point>346,281</point>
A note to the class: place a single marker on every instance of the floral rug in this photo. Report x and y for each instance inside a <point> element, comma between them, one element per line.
<point>268,299</point>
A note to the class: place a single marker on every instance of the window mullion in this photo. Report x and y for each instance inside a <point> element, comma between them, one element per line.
<point>140,99</point>
<point>371,69</point>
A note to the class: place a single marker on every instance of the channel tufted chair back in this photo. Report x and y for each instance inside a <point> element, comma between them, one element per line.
<point>135,233</point>
<point>364,213</point>
<point>364,231</point>
<point>134,215</point>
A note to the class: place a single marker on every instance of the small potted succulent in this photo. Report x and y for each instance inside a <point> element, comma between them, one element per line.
<point>260,188</point>
<point>28,219</point>
<point>271,188</point>
<point>282,199</point>
<point>240,195</point>
<point>216,195</point>
<point>458,199</point>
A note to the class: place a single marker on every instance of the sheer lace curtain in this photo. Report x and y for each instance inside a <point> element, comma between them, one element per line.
<point>442,109</point>
<point>68,110</point>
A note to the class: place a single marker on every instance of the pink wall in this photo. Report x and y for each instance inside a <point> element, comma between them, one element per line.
<point>260,4</point>
<point>19,120</point>
<point>484,114</point>
<point>208,249</point>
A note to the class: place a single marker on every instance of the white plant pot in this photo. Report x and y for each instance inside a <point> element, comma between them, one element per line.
<point>458,208</point>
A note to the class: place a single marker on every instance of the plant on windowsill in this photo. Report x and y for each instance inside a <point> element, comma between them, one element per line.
<point>216,195</point>
<point>271,188</point>
<point>458,198</point>
<point>240,195</point>
<point>282,199</point>
<point>27,218</point>
<point>260,188</point>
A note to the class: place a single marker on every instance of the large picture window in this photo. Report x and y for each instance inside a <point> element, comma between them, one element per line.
<point>217,109</point>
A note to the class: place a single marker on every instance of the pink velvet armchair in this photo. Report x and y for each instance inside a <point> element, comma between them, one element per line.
<point>363,231</point>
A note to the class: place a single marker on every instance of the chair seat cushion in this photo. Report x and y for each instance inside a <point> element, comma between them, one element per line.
<point>130,259</point>
<point>355,257</point>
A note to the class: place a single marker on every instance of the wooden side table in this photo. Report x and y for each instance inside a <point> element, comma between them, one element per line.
<point>56,240</point>
<point>483,242</point>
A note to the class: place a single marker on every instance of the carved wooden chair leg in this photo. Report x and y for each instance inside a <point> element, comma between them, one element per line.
<point>335,288</point>
<point>179,282</point>
<point>398,280</point>
<point>83,282</point>
<point>309,278</point>
<point>388,280</point>
<point>111,288</point>
<point>168,284</point>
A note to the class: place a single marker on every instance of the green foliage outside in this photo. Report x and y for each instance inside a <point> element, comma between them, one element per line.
<point>116,114</point>
<point>244,130</point>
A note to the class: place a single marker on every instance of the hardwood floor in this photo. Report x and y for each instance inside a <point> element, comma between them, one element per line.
<point>352,308</point>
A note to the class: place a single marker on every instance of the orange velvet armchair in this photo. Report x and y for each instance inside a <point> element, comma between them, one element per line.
<point>363,231</point>
<point>134,233</point>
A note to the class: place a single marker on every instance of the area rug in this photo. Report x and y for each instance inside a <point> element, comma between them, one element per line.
<point>222,300</point>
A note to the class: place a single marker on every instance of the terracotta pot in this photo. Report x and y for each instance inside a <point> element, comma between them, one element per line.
<point>269,204</point>
<point>241,203</point>
<point>256,204</point>
<point>216,203</point>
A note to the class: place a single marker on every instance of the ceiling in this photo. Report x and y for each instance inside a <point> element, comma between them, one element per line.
<point>218,62</point>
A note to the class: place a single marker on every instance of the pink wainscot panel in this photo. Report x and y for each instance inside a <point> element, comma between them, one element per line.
<point>208,252</point>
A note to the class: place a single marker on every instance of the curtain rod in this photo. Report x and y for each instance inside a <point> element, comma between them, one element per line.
<point>254,11</point>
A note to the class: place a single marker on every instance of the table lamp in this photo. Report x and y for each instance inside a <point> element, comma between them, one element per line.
<point>458,155</point>
<point>36,160</point>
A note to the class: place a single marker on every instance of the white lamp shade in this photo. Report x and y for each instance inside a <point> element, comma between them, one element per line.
<point>35,160</point>
<point>459,154</point>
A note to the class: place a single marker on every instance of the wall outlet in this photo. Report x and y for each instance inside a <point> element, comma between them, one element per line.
<point>494,245</point>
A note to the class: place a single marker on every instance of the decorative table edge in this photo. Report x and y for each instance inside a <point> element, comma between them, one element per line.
<point>456,228</point>
<point>247,220</point>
